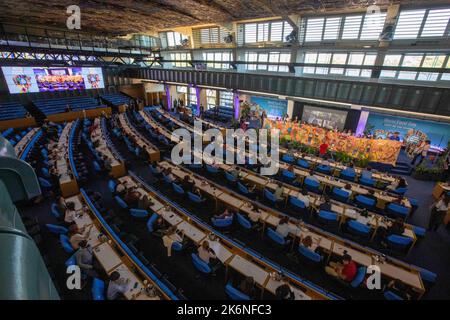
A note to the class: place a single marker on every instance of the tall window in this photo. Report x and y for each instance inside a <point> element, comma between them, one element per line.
<point>211,98</point>
<point>422,23</point>
<point>273,61</point>
<point>192,95</point>
<point>172,39</point>
<point>270,31</point>
<point>181,89</point>
<point>339,63</point>
<point>180,59</point>
<point>350,27</point>
<point>416,60</point>
<point>222,57</point>
<point>226,99</point>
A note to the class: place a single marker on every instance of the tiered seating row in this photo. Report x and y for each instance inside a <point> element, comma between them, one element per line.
<point>59,105</point>
<point>12,110</point>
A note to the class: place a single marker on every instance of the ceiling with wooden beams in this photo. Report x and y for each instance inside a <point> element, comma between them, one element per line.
<point>122,17</point>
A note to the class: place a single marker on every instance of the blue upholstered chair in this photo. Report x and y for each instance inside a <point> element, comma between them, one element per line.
<point>287,175</point>
<point>400,191</point>
<point>348,174</point>
<point>121,203</point>
<point>56,229</point>
<point>328,218</point>
<point>358,229</point>
<point>367,182</point>
<point>71,261</point>
<point>211,169</point>
<point>112,186</point>
<point>297,205</point>
<point>429,278</point>
<point>275,237</point>
<point>55,211</point>
<point>325,169</point>
<point>138,213</point>
<point>151,221</point>
<point>243,189</point>
<point>65,243</point>
<point>271,197</point>
<point>288,158</point>
<point>397,210</point>
<point>303,163</point>
<point>200,265</point>
<point>340,195</point>
<point>359,278</point>
<point>178,189</point>
<point>235,294</point>
<point>365,202</point>
<point>399,243</point>
<point>222,223</point>
<point>194,198</point>
<point>230,178</point>
<point>312,185</point>
<point>389,295</point>
<point>308,255</point>
<point>243,221</point>
<point>98,289</point>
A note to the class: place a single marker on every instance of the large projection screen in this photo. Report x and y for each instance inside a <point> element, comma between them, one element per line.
<point>322,117</point>
<point>52,79</point>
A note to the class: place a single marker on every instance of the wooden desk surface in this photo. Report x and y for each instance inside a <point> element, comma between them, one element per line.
<point>249,269</point>
<point>107,257</point>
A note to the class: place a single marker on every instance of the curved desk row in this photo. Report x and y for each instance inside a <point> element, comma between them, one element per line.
<point>231,254</point>
<point>331,244</point>
<point>114,255</point>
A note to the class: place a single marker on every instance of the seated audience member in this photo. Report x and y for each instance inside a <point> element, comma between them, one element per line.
<point>371,195</point>
<point>61,203</point>
<point>284,292</point>
<point>283,227</point>
<point>206,254</point>
<point>131,198</point>
<point>345,270</point>
<point>290,168</point>
<point>247,286</point>
<point>278,193</point>
<point>170,237</point>
<point>308,242</point>
<point>303,197</point>
<point>144,202</point>
<point>311,176</point>
<point>348,188</point>
<point>70,214</point>
<point>85,258</point>
<point>398,183</point>
<point>235,172</point>
<point>325,161</point>
<point>121,189</point>
<point>159,228</point>
<point>226,214</point>
<point>367,173</point>
<point>255,215</point>
<point>399,288</point>
<point>397,227</point>
<point>351,167</point>
<point>116,286</point>
<point>187,183</point>
<point>326,205</point>
<point>169,175</point>
<point>155,167</point>
<point>77,235</point>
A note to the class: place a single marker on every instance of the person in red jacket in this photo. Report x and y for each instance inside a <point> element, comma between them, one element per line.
<point>323,149</point>
<point>345,270</point>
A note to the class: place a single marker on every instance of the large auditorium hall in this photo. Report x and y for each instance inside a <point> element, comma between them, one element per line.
<point>225,150</point>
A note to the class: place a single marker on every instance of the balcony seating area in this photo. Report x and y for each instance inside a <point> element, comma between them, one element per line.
<point>59,105</point>
<point>12,110</point>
